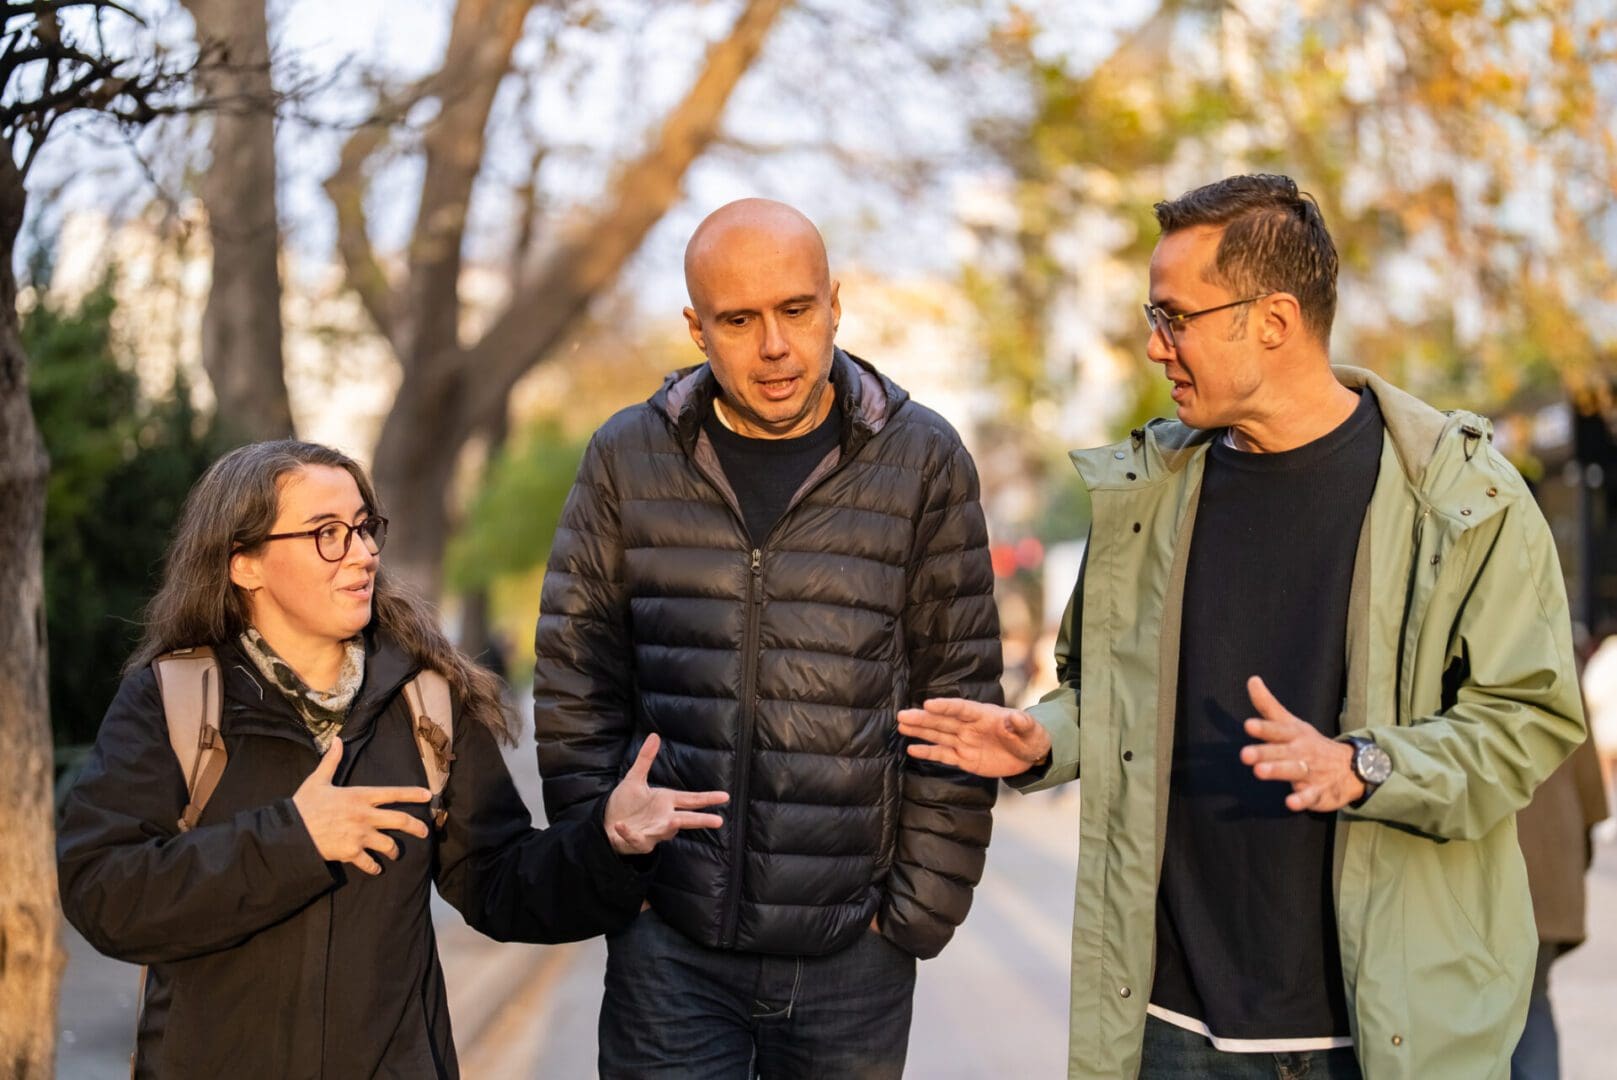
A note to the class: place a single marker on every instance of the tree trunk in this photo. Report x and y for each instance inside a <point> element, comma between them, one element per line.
<point>414,481</point>
<point>450,393</point>
<point>477,638</point>
<point>31,957</point>
<point>241,328</point>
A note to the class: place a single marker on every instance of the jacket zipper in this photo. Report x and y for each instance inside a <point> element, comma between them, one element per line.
<point>749,694</point>
<point>749,678</point>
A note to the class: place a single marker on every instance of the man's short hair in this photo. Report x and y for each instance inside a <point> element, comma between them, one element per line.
<point>1274,240</point>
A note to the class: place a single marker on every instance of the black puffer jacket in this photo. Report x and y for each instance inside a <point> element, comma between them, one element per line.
<point>774,674</point>
<point>267,961</point>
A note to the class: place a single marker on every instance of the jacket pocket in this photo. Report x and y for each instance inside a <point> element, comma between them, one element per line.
<point>1443,937</point>
<point>1465,983</point>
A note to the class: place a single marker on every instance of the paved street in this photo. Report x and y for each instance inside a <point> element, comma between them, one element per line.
<point>993,1005</point>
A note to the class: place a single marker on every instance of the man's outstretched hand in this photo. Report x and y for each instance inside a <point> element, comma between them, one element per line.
<point>988,740</point>
<point>639,816</point>
<point>1320,770</point>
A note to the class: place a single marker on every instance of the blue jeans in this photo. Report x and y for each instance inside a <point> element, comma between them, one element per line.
<point>675,1009</point>
<point>1172,1053</point>
<point>1538,1054</point>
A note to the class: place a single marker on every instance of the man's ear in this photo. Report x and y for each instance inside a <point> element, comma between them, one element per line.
<point>693,323</point>
<point>836,305</point>
<point>1280,320</point>
<point>246,573</point>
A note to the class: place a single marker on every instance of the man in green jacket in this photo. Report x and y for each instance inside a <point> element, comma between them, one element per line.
<point>1317,658</point>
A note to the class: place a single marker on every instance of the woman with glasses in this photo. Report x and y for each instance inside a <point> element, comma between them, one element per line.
<point>287,931</point>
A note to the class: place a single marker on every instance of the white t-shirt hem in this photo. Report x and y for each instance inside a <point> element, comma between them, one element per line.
<point>1248,1046</point>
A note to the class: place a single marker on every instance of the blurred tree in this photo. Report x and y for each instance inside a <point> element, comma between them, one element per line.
<point>453,393</point>
<point>496,558</point>
<point>507,529</point>
<point>84,403</point>
<point>120,471</point>
<point>56,59</point>
<point>823,82</point>
<point>241,327</point>
<point>1462,153</point>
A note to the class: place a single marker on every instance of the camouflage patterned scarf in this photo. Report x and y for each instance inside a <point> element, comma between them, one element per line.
<point>322,711</point>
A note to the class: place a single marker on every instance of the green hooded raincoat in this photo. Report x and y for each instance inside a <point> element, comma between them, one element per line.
<point>1459,661</point>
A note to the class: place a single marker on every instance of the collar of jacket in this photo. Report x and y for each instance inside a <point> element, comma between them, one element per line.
<point>867,400</point>
<point>254,706</point>
<point>1446,457</point>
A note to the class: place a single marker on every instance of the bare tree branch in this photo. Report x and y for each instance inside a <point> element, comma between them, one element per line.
<point>78,77</point>
<point>593,252</point>
<point>37,8</point>
<point>481,39</point>
<point>422,321</point>
<point>346,189</point>
<point>459,393</point>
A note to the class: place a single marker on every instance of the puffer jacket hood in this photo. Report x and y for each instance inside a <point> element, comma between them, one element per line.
<point>866,400</point>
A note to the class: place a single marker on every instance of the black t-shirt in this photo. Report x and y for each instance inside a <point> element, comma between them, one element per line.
<point>766,473</point>
<point>1246,930</point>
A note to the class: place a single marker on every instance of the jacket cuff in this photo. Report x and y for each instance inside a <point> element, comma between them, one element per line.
<point>621,875</point>
<point>281,826</point>
<point>1400,802</point>
<point>922,942</point>
<point>1058,715</point>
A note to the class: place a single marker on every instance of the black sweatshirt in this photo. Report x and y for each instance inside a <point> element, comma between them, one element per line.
<point>1246,932</point>
<point>766,473</point>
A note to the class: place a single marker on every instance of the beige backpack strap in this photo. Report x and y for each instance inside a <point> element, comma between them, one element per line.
<point>188,680</point>
<point>432,719</point>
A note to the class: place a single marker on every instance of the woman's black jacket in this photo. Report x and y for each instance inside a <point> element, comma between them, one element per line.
<point>266,960</point>
<point>774,672</point>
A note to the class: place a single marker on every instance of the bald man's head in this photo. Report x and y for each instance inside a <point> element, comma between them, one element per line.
<point>764,312</point>
<point>749,222</point>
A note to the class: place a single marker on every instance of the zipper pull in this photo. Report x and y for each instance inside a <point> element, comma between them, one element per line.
<point>757,559</point>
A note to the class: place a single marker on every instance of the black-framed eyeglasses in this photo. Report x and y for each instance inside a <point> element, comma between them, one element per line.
<point>332,539</point>
<point>1163,323</point>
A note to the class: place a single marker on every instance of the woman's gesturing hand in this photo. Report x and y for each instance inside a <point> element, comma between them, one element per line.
<point>639,816</point>
<point>348,823</point>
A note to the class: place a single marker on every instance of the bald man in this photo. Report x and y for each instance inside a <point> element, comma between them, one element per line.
<point>762,564</point>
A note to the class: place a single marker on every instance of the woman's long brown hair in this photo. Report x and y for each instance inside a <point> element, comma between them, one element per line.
<point>232,508</point>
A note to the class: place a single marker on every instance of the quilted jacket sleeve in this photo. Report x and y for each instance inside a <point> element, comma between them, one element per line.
<point>952,629</point>
<point>583,669</point>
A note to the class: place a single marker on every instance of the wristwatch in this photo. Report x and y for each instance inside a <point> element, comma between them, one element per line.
<point>1371,764</point>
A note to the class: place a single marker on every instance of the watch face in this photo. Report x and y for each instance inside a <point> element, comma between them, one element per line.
<point>1372,763</point>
